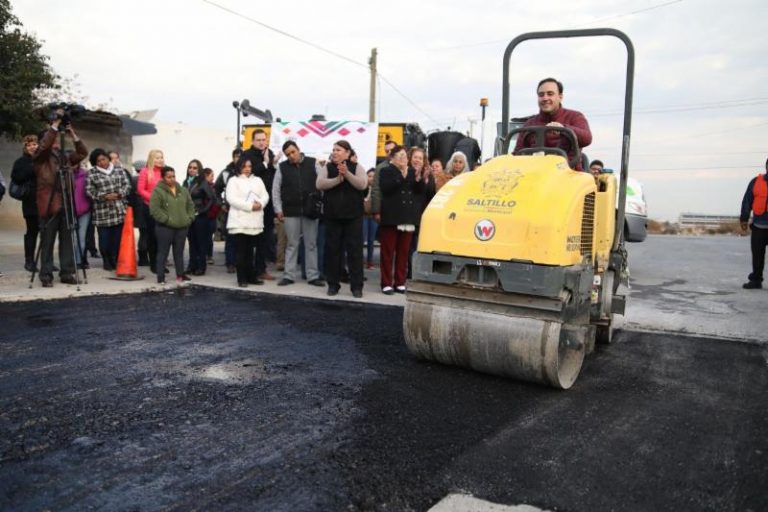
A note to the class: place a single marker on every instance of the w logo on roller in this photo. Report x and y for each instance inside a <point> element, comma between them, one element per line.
<point>484,230</point>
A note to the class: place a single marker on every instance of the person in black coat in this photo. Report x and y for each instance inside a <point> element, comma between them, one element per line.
<point>343,182</point>
<point>24,173</point>
<point>263,164</point>
<point>417,159</point>
<point>401,202</point>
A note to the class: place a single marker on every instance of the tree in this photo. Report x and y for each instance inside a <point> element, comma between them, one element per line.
<point>24,72</point>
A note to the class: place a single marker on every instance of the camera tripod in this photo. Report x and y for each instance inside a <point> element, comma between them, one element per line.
<point>66,184</point>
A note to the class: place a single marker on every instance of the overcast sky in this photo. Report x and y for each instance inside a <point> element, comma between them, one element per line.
<point>700,121</point>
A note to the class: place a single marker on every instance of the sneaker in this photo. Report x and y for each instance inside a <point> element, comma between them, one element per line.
<point>388,290</point>
<point>752,285</point>
<point>316,282</point>
<point>68,279</point>
<point>266,276</point>
<point>400,289</point>
<point>210,261</point>
<point>161,282</point>
<point>255,281</point>
<point>242,285</point>
<point>230,269</point>
<point>370,265</point>
<point>284,282</point>
<point>179,279</point>
<point>183,277</point>
<point>358,294</point>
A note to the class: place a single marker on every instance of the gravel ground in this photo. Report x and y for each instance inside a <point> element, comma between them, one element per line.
<point>197,399</point>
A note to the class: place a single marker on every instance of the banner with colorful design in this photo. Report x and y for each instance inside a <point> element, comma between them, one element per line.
<point>316,138</point>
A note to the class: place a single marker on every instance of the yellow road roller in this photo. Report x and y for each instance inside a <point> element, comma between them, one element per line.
<point>519,262</point>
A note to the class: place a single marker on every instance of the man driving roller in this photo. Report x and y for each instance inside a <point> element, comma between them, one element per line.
<point>552,113</point>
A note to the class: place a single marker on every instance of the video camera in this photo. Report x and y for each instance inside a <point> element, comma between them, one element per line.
<point>71,111</point>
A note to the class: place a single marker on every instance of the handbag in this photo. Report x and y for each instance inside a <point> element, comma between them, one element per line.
<point>213,211</point>
<point>19,191</point>
<point>313,205</point>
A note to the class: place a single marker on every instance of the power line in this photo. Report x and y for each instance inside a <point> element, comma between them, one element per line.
<point>286,34</point>
<point>715,168</point>
<point>639,11</point>
<point>320,48</point>
<point>398,91</point>
<point>598,20</point>
<point>600,150</point>
<point>688,108</point>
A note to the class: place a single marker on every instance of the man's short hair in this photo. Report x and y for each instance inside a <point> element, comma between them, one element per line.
<point>30,139</point>
<point>237,152</point>
<point>554,81</point>
<point>256,132</point>
<point>290,143</point>
<point>597,162</point>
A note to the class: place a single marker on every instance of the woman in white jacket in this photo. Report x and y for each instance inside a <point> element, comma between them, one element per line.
<point>247,196</point>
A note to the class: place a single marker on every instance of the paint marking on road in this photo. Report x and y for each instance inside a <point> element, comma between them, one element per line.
<point>465,503</point>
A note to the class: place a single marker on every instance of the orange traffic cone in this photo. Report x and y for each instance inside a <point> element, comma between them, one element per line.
<point>126,257</point>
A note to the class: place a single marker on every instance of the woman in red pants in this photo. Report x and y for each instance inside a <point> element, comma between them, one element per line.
<point>399,216</point>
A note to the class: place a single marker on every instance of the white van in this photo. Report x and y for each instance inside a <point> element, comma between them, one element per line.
<point>636,213</point>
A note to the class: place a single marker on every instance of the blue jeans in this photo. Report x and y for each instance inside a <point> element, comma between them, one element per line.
<point>109,244</point>
<point>230,253</point>
<point>370,226</point>
<point>321,247</point>
<point>199,238</point>
<point>82,230</point>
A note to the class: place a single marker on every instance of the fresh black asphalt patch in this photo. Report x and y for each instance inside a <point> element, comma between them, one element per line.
<point>197,399</point>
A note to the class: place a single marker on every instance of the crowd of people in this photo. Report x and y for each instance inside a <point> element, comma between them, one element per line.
<point>312,218</point>
<point>315,220</point>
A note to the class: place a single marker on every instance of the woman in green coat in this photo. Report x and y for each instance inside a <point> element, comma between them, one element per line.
<point>173,211</point>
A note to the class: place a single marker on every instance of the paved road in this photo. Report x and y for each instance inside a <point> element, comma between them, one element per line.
<point>114,403</point>
<point>693,285</point>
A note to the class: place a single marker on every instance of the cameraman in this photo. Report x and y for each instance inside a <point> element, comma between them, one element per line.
<point>48,160</point>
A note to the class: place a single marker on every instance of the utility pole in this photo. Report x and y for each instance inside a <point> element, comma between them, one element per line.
<point>483,105</point>
<point>472,122</point>
<point>372,99</point>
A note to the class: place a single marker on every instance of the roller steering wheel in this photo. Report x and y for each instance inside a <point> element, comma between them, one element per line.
<point>540,133</point>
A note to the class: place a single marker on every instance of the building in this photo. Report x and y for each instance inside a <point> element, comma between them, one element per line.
<point>706,220</point>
